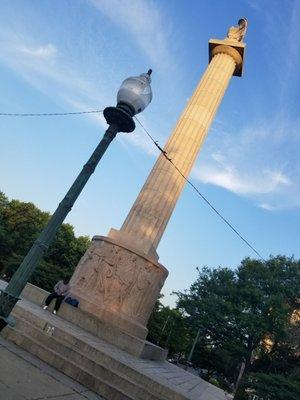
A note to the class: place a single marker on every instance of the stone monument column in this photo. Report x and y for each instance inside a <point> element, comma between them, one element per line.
<point>119,278</point>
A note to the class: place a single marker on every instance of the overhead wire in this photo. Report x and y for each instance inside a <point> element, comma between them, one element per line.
<point>49,114</point>
<point>229,224</point>
<point>162,151</point>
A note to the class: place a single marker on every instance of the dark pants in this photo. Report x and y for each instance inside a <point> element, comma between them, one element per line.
<point>59,298</point>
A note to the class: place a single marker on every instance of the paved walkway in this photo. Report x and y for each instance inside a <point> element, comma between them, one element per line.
<point>25,377</point>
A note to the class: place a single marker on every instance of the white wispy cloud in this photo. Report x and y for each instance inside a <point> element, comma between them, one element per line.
<point>267,207</point>
<point>147,25</point>
<point>45,68</point>
<point>260,162</point>
<point>46,51</point>
<point>42,66</point>
<point>243,182</point>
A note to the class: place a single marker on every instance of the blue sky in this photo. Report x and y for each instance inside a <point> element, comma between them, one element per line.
<point>72,55</point>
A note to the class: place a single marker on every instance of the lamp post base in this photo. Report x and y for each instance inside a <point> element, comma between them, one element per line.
<point>7,303</point>
<point>3,324</point>
<point>6,321</point>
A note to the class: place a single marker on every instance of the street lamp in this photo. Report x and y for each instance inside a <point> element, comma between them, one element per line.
<point>133,97</point>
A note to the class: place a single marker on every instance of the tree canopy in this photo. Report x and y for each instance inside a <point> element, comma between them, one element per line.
<point>246,315</point>
<point>20,224</point>
<point>168,329</point>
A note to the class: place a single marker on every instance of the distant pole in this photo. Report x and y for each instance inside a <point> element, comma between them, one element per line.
<point>241,374</point>
<point>163,329</point>
<point>120,119</point>
<point>169,335</point>
<point>193,347</point>
<point>242,369</point>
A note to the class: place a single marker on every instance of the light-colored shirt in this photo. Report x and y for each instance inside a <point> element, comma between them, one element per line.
<point>61,288</point>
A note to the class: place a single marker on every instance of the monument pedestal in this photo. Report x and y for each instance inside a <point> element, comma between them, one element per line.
<point>118,285</point>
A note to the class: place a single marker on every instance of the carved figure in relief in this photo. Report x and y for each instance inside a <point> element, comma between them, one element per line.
<point>119,284</point>
<point>93,267</point>
<point>127,273</point>
<point>118,278</point>
<point>139,294</point>
<point>109,263</point>
<point>89,280</point>
<point>146,280</point>
<point>78,278</point>
<point>238,32</point>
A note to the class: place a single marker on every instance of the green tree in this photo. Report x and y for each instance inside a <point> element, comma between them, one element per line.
<point>236,310</point>
<point>270,387</point>
<point>20,225</point>
<point>168,329</point>
<point>23,221</point>
<point>5,240</point>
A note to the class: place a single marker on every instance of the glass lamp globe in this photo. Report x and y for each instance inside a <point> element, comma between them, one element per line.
<point>135,93</point>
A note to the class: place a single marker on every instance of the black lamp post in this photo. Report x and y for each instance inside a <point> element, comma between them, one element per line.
<point>133,97</point>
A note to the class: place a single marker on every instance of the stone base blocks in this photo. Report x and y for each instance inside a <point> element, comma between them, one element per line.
<point>99,365</point>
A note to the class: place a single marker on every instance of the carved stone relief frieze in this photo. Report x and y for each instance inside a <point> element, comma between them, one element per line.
<point>119,280</point>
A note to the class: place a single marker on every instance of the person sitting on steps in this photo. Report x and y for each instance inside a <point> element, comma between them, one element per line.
<point>61,289</point>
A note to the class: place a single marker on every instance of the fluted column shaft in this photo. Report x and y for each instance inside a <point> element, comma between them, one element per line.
<point>153,207</point>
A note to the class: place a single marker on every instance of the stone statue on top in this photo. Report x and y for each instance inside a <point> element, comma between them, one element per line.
<point>237,33</point>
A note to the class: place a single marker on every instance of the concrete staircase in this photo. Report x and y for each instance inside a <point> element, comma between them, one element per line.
<point>99,365</point>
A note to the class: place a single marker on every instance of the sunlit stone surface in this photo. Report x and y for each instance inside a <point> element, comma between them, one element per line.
<point>119,278</point>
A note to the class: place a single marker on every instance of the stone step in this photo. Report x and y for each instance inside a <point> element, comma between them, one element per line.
<point>106,389</point>
<point>83,357</point>
<point>131,344</point>
<point>86,321</point>
<point>99,351</point>
<point>88,356</point>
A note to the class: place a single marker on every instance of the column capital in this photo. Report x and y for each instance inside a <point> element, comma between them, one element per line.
<point>233,48</point>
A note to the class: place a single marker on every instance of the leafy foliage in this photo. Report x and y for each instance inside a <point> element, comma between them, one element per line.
<point>270,387</point>
<point>239,312</point>
<point>20,224</point>
<point>168,329</point>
